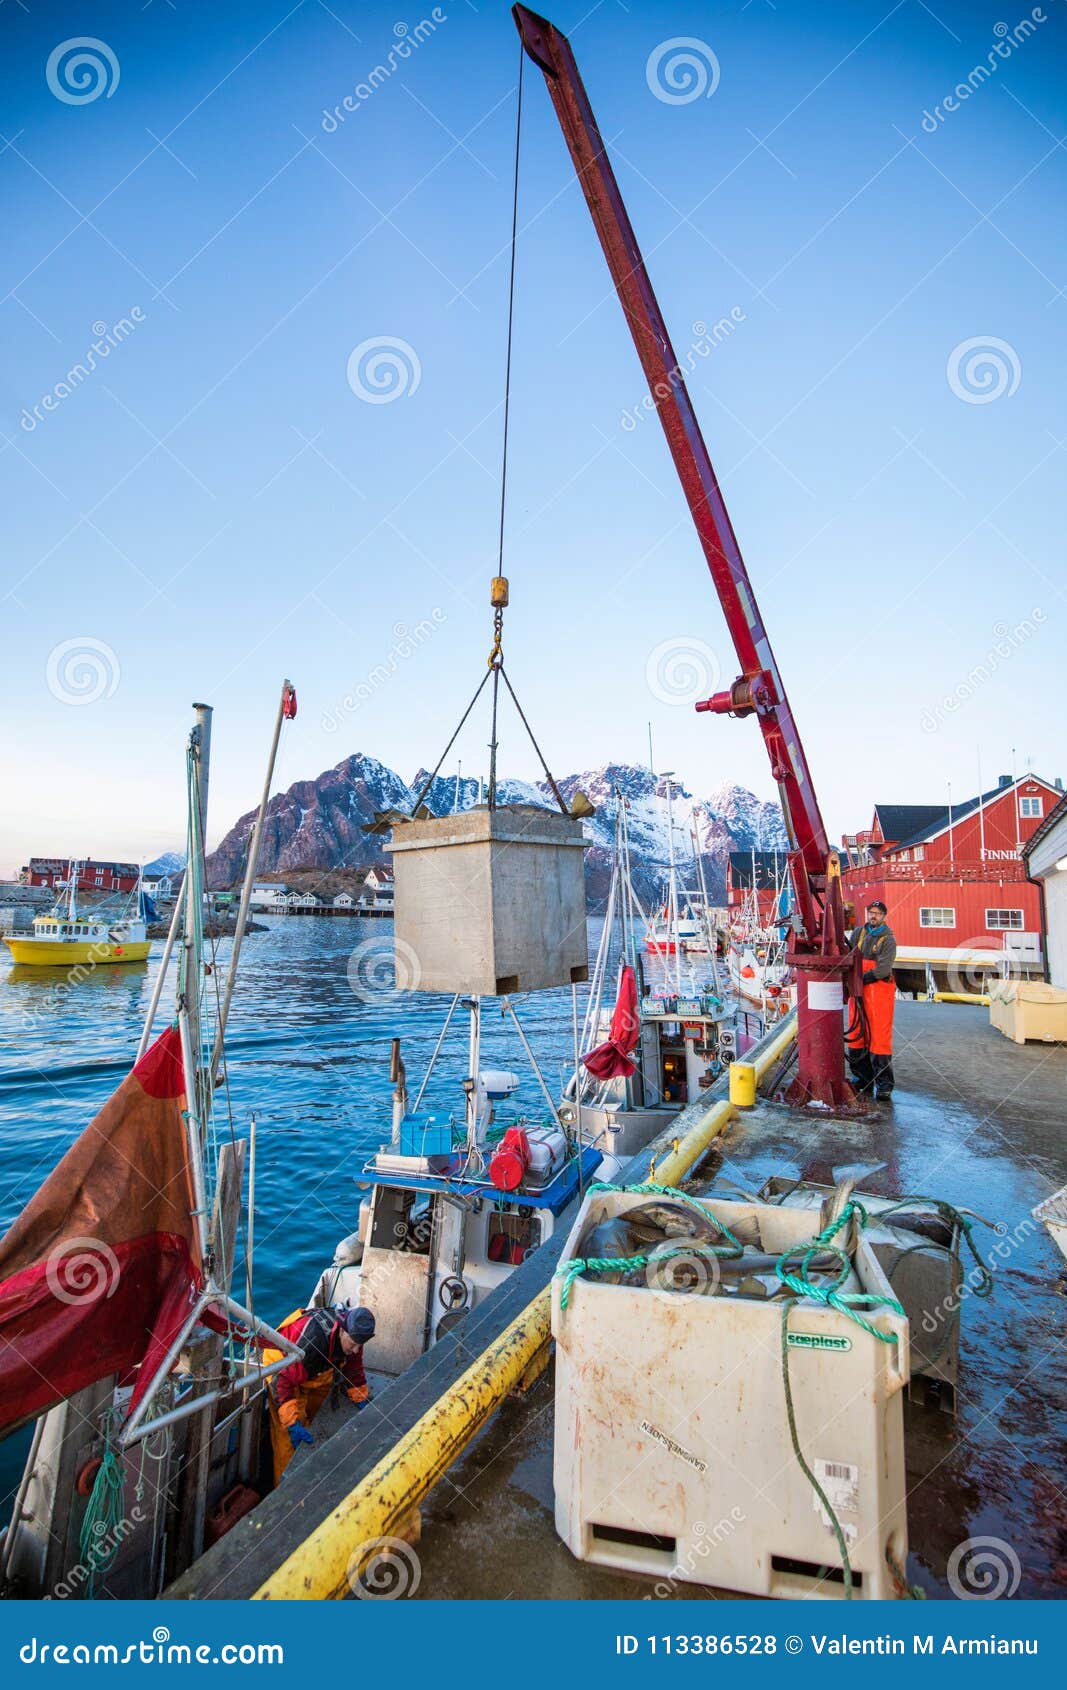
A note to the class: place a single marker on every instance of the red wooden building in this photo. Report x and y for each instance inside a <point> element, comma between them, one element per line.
<point>92,877</point>
<point>953,879</point>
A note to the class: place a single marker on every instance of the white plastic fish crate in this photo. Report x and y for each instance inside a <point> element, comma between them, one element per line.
<point>673,1457</point>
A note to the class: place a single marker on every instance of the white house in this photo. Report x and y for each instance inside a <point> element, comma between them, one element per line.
<point>268,895</point>
<point>343,901</point>
<point>378,888</point>
<point>302,901</point>
<point>1045,856</point>
<point>159,887</point>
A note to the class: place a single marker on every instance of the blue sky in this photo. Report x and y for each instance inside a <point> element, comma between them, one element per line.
<point>215,505</point>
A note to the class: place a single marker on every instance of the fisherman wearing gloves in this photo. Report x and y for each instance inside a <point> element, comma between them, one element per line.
<point>331,1343</point>
<point>870,1025</point>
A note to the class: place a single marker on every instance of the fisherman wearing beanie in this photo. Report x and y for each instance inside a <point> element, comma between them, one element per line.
<point>331,1344</point>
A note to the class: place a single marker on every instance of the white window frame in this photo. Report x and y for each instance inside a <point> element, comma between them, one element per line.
<point>1010,926</point>
<point>938,910</point>
<point>918,853</point>
<point>1031,808</point>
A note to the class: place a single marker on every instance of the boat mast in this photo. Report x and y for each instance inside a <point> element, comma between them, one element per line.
<point>672,886</point>
<point>200,747</point>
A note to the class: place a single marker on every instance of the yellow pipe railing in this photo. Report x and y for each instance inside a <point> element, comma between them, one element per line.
<point>332,1556</point>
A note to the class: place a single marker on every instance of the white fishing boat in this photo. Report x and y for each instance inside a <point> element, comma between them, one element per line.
<point>454,1200</point>
<point>756,958</point>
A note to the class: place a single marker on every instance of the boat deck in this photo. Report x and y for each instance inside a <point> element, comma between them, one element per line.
<point>976,1120</point>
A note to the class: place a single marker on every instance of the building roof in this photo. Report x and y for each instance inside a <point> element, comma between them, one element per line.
<point>940,819</point>
<point>770,866</point>
<point>901,821</point>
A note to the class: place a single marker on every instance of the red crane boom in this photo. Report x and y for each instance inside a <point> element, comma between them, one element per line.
<point>818,950</point>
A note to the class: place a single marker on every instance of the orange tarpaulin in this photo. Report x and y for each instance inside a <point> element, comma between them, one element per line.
<point>102,1267</point>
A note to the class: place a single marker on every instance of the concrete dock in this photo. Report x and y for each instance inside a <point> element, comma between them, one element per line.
<point>976,1120</point>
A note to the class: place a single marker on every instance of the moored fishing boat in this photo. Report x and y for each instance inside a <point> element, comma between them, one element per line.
<point>66,936</point>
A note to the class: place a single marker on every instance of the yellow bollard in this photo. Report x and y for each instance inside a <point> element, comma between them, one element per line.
<point>742,1085</point>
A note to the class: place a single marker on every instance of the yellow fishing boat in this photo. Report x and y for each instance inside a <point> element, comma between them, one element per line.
<point>63,938</point>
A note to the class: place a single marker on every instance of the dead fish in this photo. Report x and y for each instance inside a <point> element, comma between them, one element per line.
<point>679,1220</point>
<point>759,1262</point>
<point>612,1240</point>
<point>924,1222</point>
<point>672,1220</point>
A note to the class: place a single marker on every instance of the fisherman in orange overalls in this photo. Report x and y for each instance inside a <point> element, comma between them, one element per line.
<point>331,1343</point>
<point>870,1026</point>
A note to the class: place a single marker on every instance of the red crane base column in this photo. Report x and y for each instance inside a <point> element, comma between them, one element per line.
<point>821,1035</point>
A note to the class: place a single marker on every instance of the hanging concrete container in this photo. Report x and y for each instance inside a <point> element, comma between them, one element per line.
<point>490,901</point>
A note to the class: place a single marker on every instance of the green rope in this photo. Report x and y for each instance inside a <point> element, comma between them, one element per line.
<point>913,1592</point>
<point>954,1219</point>
<point>572,1269</point>
<point>575,1266</point>
<point>99,1539</point>
<point>848,1303</point>
<point>846,1564</point>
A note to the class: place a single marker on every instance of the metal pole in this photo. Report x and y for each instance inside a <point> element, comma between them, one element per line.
<point>553,1108</point>
<point>164,963</point>
<point>250,870</point>
<point>11,1535</point>
<point>194,884</point>
<point>250,1229</point>
<point>194,1132</point>
<point>249,1422</point>
<point>436,1053</point>
<point>672,887</point>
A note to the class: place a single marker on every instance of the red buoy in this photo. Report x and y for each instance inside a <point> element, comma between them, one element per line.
<point>510,1160</point>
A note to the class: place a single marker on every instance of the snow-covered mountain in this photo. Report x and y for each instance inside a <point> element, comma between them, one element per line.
<point>319,823</point>
<point>169,862</point>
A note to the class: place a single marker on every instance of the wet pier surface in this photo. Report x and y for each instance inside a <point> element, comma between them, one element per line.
<point>975,1120</point>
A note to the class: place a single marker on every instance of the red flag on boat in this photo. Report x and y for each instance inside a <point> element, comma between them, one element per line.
<point>101,1268</point>
<point>611,1061</point>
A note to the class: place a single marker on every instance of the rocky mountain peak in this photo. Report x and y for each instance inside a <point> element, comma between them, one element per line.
<point>319,823</point>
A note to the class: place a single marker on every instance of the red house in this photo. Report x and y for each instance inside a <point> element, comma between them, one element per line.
<point>92,877</point>
<point>953,880</point>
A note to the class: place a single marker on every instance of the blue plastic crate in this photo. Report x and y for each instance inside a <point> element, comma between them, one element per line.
<point>425,1135</point>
